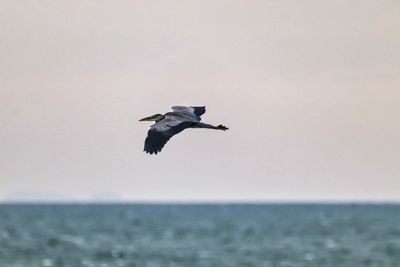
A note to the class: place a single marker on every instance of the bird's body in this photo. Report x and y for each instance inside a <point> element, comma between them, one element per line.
<point>172,123</point>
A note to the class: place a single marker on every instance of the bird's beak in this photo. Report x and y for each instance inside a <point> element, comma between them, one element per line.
<point>147,119</point>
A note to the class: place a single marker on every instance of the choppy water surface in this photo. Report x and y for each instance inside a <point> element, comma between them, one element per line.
<point>199,235</point>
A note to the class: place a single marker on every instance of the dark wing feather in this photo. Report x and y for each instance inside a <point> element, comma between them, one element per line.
<point>199,110</point>
<point>156,138</point>
<point>155,141</point>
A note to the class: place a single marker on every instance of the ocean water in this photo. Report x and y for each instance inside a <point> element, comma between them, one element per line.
<point>199,235</point>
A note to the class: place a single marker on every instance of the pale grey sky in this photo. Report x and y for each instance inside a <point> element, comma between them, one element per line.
<point>310,90</point>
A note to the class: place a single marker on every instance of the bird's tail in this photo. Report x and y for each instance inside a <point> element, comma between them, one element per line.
<point>222,127</point>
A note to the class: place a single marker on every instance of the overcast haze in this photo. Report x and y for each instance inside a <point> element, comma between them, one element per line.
<point>309,89</point>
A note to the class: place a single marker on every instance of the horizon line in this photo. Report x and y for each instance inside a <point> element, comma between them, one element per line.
<point>200,202</point>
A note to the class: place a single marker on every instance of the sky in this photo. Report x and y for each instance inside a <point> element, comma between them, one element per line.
<point>309,89</point>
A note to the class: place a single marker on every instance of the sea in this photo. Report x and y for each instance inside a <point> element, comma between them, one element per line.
<point>212,235</point>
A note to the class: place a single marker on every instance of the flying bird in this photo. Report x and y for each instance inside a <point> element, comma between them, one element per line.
<point>172,123</point>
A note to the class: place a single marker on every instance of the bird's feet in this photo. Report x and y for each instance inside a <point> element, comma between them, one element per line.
<point>222,127</point>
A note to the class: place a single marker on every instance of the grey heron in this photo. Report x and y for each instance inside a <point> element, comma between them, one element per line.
<point>172,123</point>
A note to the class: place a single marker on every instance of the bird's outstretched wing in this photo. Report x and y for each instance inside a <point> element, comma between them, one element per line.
<point>162,131</point>
<point>191,111</point>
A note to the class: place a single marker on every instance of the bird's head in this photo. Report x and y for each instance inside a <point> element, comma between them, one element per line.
<point>156,117</point>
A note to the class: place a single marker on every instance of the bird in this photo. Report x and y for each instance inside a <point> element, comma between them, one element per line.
<point>171,123</point>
